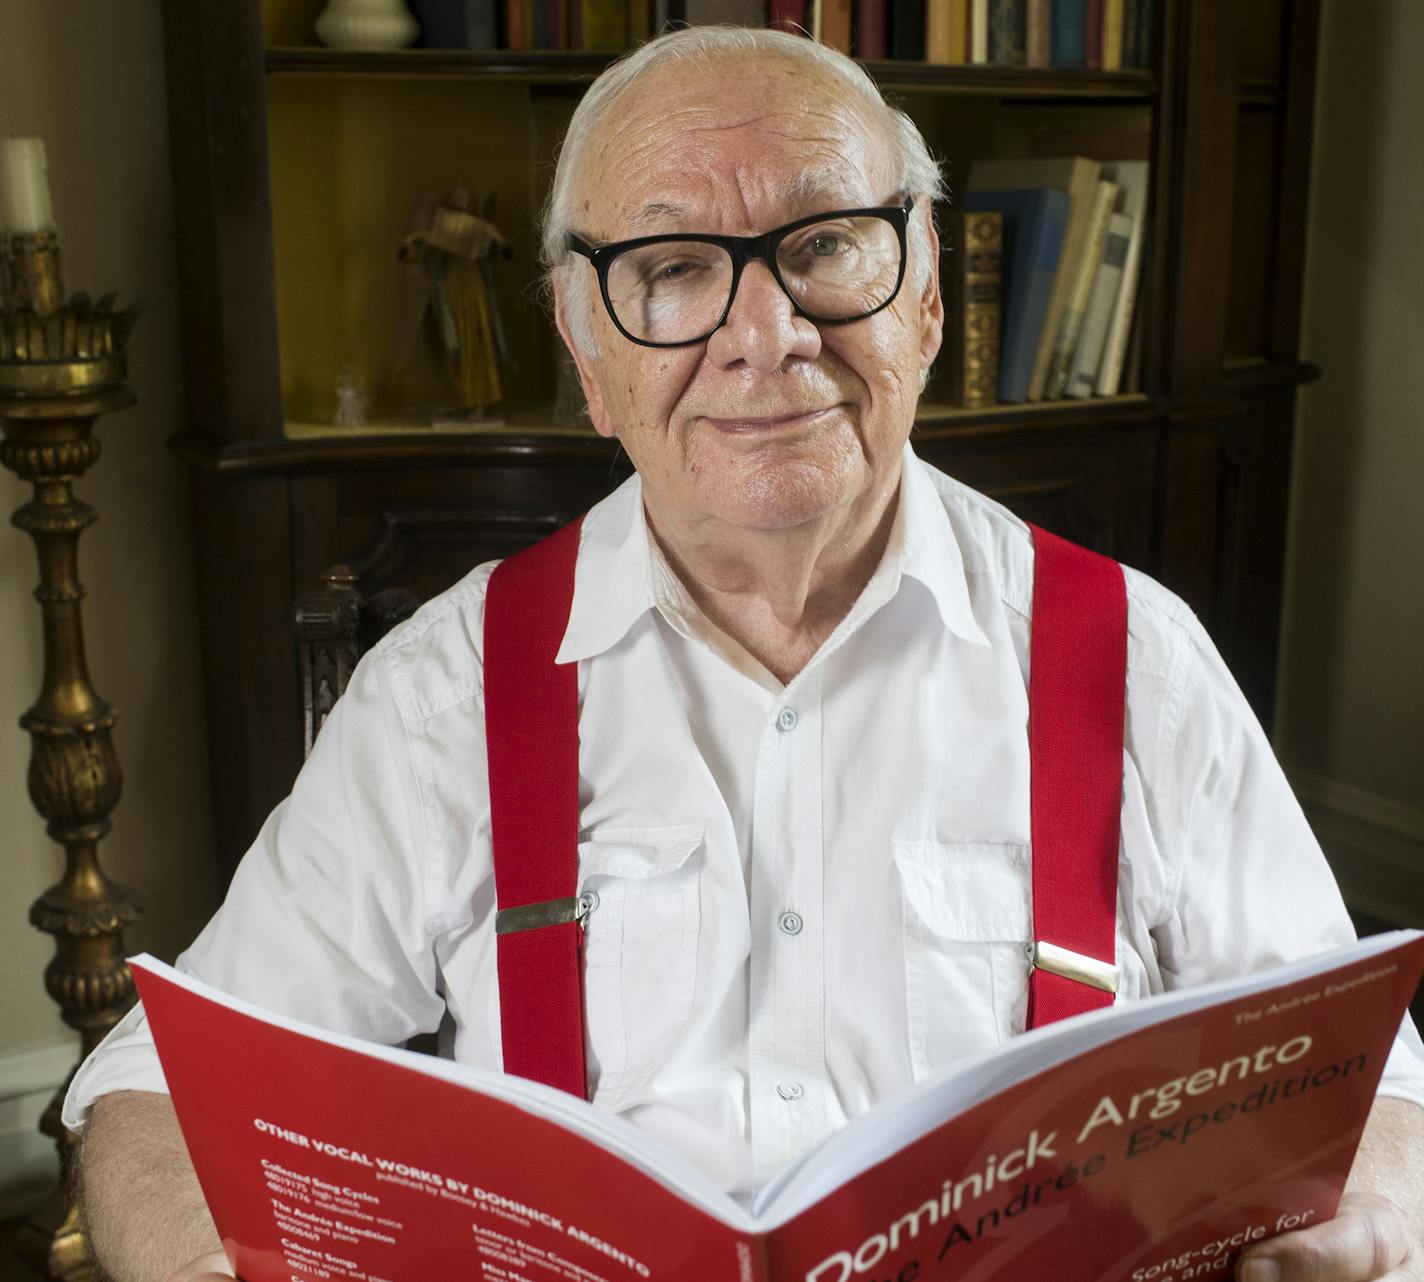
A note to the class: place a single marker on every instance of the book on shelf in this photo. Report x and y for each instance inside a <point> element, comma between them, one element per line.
<point>1006,33</point>
<point>788,15</point>
<point>971,281</point>
<point>1077,177</point>
<point>1112,35</point>
<point>456,24</point>
<point>1131,177</point>
<point>835,24</point>
<point>947,32</point>
<point>872,35</point>
<point>1038,33</point>
<point>907,30</point>
<point>978,38</point>
<point>1107,284</point>
<point>1034,225</point>
<point>1137,1141</point>
<point>1080,284</point>
<point>1093,34</point>
<point>1068,33</point>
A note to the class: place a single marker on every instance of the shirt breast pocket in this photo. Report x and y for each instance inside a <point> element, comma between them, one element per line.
<point>640,951</point>
<point>966,930</point>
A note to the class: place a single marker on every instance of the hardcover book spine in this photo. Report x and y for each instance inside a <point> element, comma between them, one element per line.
<point>1093,34</point>
<point>946,32</point>
<point>1131,14</point>
<point>517,23</point>
<point>481,25</point>
<point>1084,270</point>
<point>1146,45</point>
<point>1106,286</point>
<point>639,22</point>
<point>1006,33</point>
<point>982,308</point>
<point>907,29</point>
<point>1038,33</point>
<point>835,24</point>
<point>871,21</point>
<point>1067,33</point>
<point>1112,34</point>
<point>788,15</point>
<point>979,32</point>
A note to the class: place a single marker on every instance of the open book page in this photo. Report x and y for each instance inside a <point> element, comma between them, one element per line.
<point>1211,1119</point>
<point>327,1158</point>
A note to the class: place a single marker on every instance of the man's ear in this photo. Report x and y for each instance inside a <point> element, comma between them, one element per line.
<point>587,367</point>
<point>931,303</point>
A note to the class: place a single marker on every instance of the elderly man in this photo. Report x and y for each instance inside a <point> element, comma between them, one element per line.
<point>803,773</point>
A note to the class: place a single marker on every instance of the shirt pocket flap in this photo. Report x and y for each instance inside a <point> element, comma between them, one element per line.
<point>636,854</point>
<point>977,892</point>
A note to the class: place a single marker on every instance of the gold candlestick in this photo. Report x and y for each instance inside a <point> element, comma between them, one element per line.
<point>61,366</point>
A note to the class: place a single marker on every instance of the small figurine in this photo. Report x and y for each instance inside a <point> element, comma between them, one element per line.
<point>350,398</point>
<point>449,256</point>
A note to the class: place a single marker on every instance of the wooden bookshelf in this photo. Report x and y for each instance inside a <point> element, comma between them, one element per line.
<point>295,167</point>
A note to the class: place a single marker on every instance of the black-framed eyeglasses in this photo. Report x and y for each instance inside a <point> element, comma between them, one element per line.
<point>675,290</point>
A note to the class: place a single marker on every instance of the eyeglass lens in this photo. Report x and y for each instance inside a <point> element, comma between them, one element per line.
<point>676,291</point>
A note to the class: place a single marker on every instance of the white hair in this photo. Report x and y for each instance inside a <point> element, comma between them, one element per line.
<point>916,171</point>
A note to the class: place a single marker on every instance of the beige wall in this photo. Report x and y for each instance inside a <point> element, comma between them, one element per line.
<point>88,79</point>
<point>1351,721</point>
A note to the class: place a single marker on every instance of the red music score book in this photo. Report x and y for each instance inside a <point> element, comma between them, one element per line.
<point>1148,1142</point>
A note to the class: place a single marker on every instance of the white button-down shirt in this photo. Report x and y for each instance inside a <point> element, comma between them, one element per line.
<point>809,895</point>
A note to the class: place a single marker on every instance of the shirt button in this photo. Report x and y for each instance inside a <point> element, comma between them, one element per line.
<point>789,1090</point>
<point>790,923</point>
<point>786,719</point>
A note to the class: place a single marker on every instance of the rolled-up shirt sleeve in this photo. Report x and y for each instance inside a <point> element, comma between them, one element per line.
<point>1253,886</point>
<point>325,920</point>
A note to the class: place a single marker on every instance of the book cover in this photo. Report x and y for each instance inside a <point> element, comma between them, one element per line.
<point>1082,273</point>
<point>1107,283</point>
<point>907,29</point>
<point>1075,175</point>
<point>835,24</point>
<point>1038,33</point>
<point>971,278</point>
<point>1067,34</point>
<point>1034,220</point>
<point>1112,34</point>
<point>1137,1141</point>
<point>871,28</point>
<point>1006,33</point>
<point>1131,177</point>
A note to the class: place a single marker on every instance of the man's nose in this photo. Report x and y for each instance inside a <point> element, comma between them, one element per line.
<point>762,328</point>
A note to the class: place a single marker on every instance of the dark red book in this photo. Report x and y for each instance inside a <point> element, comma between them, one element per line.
<point>872,28</point>
<point>1093,33</point>
<point>788,15</point>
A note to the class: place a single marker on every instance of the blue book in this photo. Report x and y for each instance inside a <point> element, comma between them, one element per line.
<point>1034,221</point>
<point>1068,21</point>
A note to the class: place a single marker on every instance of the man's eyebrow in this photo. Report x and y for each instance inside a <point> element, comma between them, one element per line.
<point>655,211</point>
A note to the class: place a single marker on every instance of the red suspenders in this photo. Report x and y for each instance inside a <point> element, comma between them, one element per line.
<point>1077,674</point>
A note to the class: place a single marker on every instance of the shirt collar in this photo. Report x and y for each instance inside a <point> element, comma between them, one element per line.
<point>620,574</point>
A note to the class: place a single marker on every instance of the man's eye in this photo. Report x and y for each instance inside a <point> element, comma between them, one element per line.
<point>824,246</point>
<point>672,271</point>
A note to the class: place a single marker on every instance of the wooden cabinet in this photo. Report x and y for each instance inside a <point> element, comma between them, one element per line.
<point>296,168</point>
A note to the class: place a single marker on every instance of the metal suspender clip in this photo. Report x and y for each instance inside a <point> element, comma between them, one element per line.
<point>548,912</point>
<point>1076,966</point>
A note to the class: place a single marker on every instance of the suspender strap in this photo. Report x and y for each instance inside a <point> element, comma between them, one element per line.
<point>531,729</point>
<point>1077,683</point>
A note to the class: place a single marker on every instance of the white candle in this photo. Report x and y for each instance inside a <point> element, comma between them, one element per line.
<point>24,188</point>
